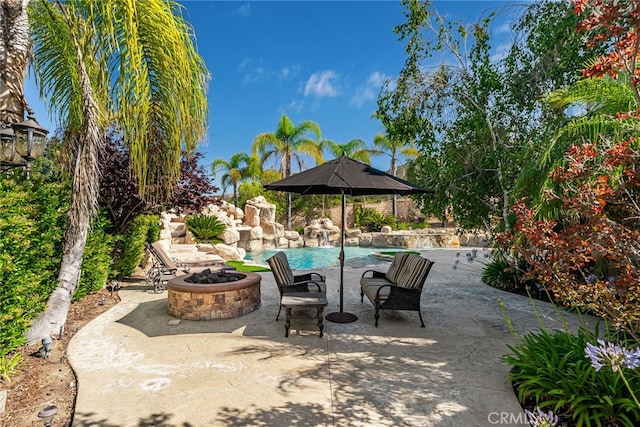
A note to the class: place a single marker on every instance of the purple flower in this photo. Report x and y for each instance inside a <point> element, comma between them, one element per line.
<point>591,278</point>
<point>538,418</point>
<point>609,354</point>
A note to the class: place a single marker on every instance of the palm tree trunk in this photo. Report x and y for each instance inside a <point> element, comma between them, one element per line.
<point>83,208</point>
<point>14,49</point>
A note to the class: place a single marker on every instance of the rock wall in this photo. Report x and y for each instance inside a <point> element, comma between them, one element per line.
<point>255,228</point>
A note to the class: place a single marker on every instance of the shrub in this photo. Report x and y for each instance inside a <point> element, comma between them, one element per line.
<point>205,228</point>
<point>96,258</point>
<point>32,223</point>
<point>597,233</point>
<point>153,228</point>
<point>371,219</point>
<point>143,229</point>
<point>500,273</point>
<point>550,370</point>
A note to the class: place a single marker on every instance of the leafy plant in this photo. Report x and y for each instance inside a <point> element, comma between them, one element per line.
<point>371,219</point>
<point>550,370</point>
<point>501,273</point>
<point>205,228</point>
<point>10,366</point>
<point>32,221</point>
<point>130,248</point>
<point>96,258</point>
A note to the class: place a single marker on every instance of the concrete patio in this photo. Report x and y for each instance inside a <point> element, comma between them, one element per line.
<point>138,366</point>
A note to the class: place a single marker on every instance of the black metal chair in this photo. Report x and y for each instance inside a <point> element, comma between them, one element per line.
<point>288,282</point>
<point>400,288</point>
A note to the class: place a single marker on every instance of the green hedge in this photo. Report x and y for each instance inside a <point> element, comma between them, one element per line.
<point>130,248</point>
<point>33,219</point>
<point>32,223</point>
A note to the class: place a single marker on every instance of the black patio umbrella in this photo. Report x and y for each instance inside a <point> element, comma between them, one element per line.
<point>344,176</point>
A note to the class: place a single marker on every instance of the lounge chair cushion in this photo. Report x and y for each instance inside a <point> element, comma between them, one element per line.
<point>281,270</point>
<point>414,271</point>
<point>396,266</point>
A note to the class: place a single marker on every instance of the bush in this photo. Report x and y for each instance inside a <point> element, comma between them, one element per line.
<point>205,228</point>
<point>501,274</point>
<point>551,371</point>
<point>143,229</point>
<point>32,223</point>
<point>373,220</point>
<point>96,258</point>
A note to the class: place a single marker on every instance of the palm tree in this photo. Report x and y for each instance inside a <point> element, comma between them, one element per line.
<point>104,63</point>
<point>393,148</point>
<point>286,145</point>
<point>240,166</point>
<point>601,99</point>
<point>356,149</point>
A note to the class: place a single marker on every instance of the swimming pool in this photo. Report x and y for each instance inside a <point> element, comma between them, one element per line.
<point>314,258</point>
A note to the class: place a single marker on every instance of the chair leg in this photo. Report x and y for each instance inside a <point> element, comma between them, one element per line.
<point>279,309</point>
<point>377,315</point>
<point>420,315</point>
<point>361,295</point>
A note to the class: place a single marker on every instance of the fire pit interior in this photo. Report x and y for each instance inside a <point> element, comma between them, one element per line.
<point>213,294</point>
<point>208,276</point>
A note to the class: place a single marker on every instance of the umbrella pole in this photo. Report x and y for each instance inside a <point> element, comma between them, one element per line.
<point>341,316</point>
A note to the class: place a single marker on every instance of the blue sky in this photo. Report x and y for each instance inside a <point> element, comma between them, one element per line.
<point>311,60</point>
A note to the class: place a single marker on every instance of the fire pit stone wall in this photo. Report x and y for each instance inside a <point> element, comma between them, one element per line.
<point>204,301</point>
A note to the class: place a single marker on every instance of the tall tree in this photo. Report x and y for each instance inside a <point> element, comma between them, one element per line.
<point>477,119</point>
<point>288,144</point>
<point>101,63</point>
<point>239,167</point>
<point>394,148</point>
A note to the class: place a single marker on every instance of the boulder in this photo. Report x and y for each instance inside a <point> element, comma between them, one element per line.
<point>292,235</point>
<point>252,216</point>
<point>256,233</point>
<point>229,236</point>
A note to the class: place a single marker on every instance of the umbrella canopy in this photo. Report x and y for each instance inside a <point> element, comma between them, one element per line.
<point>344,176</point>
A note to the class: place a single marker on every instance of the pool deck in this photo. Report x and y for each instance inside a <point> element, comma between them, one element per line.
<point>138,366</point>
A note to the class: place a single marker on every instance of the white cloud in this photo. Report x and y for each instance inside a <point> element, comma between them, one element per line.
<point>322,84</point>
<point>288,72</point>
<point>245,9</point>
<point>369,90</point>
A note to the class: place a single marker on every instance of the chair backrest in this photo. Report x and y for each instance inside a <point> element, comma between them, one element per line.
<point>414,271</point>
<point>280,268</point>
<point>396,266</point>
<point>409,270</point>
<point>158,251</point>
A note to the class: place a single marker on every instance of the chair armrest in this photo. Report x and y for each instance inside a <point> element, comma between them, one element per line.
<point>309,277</point>
<point>180,265</point>
<point>304,286</point>
<point>375,274</point>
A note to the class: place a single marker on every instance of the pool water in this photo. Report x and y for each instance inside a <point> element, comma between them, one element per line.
<point>314,258</point>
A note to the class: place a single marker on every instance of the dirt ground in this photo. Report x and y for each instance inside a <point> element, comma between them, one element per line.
<point>44,382</point>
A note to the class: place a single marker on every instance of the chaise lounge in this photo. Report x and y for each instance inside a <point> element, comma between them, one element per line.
<point>164,268</point>
<point>400,288</point>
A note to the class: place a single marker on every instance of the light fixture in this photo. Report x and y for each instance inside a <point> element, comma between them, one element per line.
<point>47,414</point>
<point>21,143</point>
<point>46,347</point>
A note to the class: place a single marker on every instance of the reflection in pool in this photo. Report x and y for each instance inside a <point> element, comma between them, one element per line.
<point>327,257</point>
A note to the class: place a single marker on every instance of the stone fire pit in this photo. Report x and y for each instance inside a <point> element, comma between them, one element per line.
<point>222,295</point>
